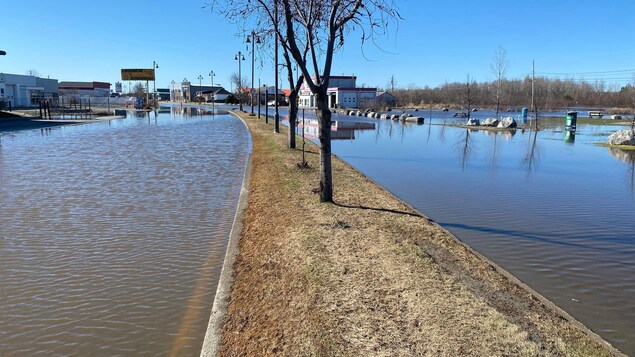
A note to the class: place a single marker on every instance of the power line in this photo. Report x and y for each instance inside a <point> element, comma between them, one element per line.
<point>582,73</point>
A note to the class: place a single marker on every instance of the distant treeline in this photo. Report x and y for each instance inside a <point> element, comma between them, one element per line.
<point>549,94</point>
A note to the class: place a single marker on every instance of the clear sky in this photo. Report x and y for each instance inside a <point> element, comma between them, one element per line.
<point>437,41</point>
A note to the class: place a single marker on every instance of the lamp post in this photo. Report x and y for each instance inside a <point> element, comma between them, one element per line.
<point>172,90</point>
<point>254,40</point>
<point>154,81</point>
<point>266,103</point>
<point>211,75</point>
<point>200,83</point>
<point>276,116</point>
<point>240,57</point>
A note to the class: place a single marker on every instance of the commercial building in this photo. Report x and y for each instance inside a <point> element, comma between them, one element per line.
<point>26,91</point>
<point>92,89</point>
<point>342,93</point>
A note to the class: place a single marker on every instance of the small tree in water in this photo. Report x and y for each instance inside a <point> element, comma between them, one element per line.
<point>321,28</point>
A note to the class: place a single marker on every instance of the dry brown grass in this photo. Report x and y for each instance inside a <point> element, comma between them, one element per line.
<point>318,279</point>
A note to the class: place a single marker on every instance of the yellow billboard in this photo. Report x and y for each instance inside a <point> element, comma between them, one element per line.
<point>137,74</point>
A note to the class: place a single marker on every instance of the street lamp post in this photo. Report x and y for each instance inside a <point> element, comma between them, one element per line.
<point>276,116</point>
<point>211,75</point>
<point>254,40</point>
<point>240,57</point>
<point>154,81</point>
<point>200,83</point>
<point>172,90</point>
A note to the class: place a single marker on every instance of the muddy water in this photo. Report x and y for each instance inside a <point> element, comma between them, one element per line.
<point>112,234</point>
<point>555,211</point>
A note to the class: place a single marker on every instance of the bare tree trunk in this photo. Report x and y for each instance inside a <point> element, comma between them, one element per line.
<point>324,124</point>
<point>293,115</point>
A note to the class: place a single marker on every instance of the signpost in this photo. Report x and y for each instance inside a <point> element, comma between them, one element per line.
<point>137,74</point>
<point>118,88</point>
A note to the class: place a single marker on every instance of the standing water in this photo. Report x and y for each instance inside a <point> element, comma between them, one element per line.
<point>112,235</point>
<point>553,209</point>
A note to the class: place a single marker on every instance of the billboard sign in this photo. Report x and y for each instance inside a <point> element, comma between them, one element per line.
<point>137,74</point>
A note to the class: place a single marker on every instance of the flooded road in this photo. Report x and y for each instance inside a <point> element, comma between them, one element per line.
<point>112,234</point>
<point>555,211</point>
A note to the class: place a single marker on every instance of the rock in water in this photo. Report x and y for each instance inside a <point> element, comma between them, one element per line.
<point>489,122</point>
<point>622,137</point>
<point>472,122</point>
<point>508,122</point>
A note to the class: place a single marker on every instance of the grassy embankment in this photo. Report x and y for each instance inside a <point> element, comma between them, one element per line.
<point>369,275</point>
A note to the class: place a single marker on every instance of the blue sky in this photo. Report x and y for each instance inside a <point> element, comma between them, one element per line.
<point>436,41</point>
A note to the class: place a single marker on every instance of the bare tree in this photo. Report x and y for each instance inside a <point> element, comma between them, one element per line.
<point>322,27</point>
<point>139,90</point>
<point>33,73</point>
<point>238,83</point>
<point>468,97</point>
<point>499,68</point>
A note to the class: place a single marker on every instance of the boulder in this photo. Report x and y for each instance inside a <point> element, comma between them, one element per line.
<point>490,122</point>
<point>411,119</point>
<point>404,116</point>
<point>394,117</point>
<point>383,116</point>
<point>472,122</point>
<point>623,137</point>
<point>370,115</point>
<point>507,123</point>
<point>358,113</point>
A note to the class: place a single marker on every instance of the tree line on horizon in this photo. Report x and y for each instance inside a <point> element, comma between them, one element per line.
<point>549,93</point>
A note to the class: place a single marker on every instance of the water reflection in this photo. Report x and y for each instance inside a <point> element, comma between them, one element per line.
<point>627,157</point>
<point>340,130</point>
<point>532,153</point>
<point>464,146</point>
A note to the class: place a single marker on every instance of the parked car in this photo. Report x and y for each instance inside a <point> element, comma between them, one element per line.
<point>271,102</point>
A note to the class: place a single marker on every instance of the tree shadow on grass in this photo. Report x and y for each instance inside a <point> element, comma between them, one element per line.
<point>343,205</point>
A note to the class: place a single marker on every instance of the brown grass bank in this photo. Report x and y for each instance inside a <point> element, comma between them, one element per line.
<point>369,275</point>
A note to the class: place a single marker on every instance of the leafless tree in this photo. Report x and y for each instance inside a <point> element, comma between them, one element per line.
<point>238,83</point>
<point>321,28</point>
<point>499,68</point>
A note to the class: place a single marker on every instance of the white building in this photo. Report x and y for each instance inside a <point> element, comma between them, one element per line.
<point>26,91</point>
<point>342,93</point>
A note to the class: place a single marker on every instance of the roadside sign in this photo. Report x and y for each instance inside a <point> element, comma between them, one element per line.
<point>118,87</point>
<point>137,74</point>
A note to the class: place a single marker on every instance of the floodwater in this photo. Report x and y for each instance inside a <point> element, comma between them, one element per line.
<point>113,234</point>
<point>554,210</point>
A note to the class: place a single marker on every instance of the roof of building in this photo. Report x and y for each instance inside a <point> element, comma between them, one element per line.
<point>84,85</point>
<point>220,90</point>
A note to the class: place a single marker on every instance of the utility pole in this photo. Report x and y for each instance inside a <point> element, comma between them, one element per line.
<point>392,83</point>
<point>533,80</point>
<point>533,96</point>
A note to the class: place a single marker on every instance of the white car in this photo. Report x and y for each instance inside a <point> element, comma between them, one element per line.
<point>271,102</point>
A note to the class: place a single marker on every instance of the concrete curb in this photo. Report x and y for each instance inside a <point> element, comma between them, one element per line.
<point>214,334</point>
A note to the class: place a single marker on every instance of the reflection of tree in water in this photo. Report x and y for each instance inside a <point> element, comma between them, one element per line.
<point>532,154</point>
<point>465,147</point>
<point>627,157</point>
